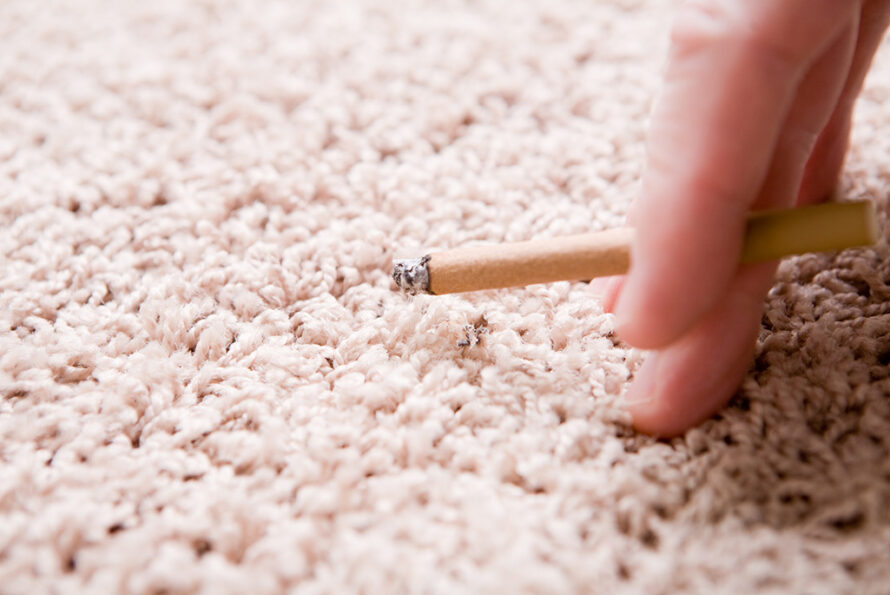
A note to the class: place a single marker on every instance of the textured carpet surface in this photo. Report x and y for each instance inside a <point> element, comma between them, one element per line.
<point>209,385</point>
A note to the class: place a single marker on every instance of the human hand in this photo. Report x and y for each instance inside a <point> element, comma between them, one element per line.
<point>755,113</point>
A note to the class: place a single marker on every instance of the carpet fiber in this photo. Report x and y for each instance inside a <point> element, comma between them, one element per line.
<point>209,385</point>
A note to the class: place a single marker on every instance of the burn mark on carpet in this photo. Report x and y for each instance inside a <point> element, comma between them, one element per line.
<point>473,333</point>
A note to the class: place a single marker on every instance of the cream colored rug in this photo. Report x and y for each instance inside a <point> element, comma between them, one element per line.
<point>209,385</point>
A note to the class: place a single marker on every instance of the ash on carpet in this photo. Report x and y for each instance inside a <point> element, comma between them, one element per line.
<point>209,385</point>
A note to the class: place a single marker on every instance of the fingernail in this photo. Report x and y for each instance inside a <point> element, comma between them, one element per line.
<point>606,290</point>
<point>643,388</point>
<point>599,287</point>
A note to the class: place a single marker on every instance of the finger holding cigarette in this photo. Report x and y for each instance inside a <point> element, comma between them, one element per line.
<point>769,235</point>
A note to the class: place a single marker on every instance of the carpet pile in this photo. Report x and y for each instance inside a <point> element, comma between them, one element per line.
<point>209,385</point>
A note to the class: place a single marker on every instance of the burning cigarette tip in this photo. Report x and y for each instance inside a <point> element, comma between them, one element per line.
<point>412,275</point>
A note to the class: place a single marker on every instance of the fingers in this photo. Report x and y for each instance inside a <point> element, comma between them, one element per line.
<point>731,81</point>
<point>694,377</point>
<point>873,24</point>
<point>816,99</point>
<point>826,160</point>
<point>827,157</point>
<point>607,289</point>
<point>689,381</point>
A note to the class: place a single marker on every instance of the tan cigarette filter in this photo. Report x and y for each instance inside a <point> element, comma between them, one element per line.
<point>770,235</point>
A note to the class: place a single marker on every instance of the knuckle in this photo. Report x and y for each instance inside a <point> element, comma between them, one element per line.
<point>700,24</point>
<point>784,32</point>
<point>747,28</point>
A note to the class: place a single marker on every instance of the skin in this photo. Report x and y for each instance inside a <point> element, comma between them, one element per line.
<point>755,113</point>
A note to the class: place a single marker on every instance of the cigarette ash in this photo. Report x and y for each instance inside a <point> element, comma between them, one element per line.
<point>473,333</point>
<point>412,275</point>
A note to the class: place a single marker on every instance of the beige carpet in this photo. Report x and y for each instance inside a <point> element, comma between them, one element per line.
<point>209,386</point>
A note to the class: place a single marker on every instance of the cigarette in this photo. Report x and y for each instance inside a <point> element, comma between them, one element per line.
<point>769,235</point>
